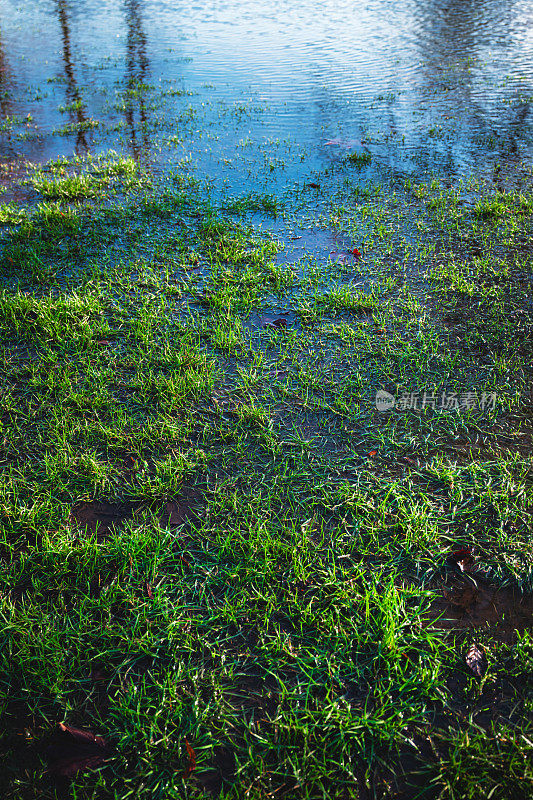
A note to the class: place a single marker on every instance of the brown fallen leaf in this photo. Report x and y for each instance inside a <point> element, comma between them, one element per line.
<point>149,591</point>
<point>313,185</point>
<point>476,660</point>
<point>74,750</point>
<point>192,760</point>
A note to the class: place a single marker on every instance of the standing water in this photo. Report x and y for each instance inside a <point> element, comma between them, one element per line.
<point>261,94</point>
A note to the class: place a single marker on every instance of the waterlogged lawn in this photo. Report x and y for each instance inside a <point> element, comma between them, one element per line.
<point>218,556</point>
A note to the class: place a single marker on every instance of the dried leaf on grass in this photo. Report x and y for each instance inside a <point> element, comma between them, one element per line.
<point>476,660</point>
<point>74,750</point>
<point>191,766</point>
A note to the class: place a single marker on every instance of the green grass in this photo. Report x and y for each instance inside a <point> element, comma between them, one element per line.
<point>267,203</point>
<point>359,160</point>
<point>11,213</point>
<point>78,127</point>
<point>94,178</point>
<point>294,629</point>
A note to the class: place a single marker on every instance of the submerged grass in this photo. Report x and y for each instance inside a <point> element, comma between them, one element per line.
<point>296,623</point>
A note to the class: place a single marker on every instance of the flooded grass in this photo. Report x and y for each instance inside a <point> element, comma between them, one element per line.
<point>304,632</point>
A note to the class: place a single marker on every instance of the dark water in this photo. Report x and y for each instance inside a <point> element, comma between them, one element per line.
<point>250,94</point>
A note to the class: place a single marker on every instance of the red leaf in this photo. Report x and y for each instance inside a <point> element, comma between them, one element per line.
<point>373,453</point>
<point>476,660</point>
<point>345,257</point>
<point>192,760</point>
<point>130,461</point>
<point>313,185</point>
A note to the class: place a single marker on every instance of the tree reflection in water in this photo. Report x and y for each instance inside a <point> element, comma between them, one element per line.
<point>75,105</point>
<point>136,74</point>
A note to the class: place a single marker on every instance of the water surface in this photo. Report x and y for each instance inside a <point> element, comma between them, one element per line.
<point>261,95</point>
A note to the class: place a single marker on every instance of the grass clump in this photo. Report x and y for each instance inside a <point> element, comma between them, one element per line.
<point>50,319</point>
<point>11,214</point>
<point>94,178</point>
<point>72,187</point>
<point>78,127</point>
<point>359,160</point>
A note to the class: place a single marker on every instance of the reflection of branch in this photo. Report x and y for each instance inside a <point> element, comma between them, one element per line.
<point>73,93</point>
<point>4,95</point>
<point>137,67</point>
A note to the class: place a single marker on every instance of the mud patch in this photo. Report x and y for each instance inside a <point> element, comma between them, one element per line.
<point>482,606</point>
<point>101,516</point>
<point>104,517</point>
